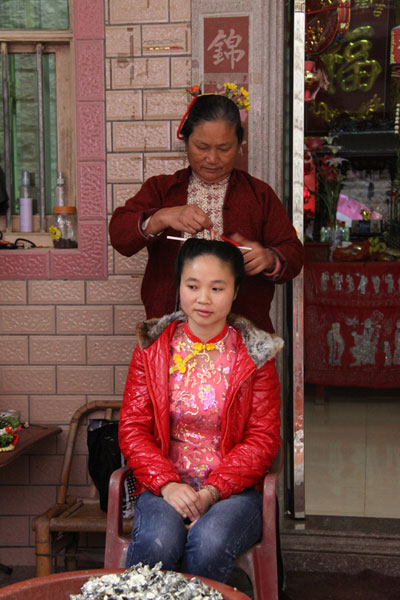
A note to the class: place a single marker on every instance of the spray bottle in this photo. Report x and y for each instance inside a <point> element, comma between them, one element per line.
<point>59,190</point>
<point>25,203</point>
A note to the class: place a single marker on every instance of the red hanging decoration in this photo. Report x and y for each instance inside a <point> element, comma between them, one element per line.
<point>327,22</point>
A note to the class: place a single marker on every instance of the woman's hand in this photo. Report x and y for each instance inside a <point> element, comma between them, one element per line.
<point>206,500</point>
<point>184,499</point>
<point>188,218</point>
<point>257,259</point>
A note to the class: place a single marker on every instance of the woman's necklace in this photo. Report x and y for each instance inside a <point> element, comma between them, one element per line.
<point>179,363</point>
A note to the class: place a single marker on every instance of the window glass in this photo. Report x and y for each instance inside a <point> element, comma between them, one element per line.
<point>352,110</point>
<point>39,14</point>
<point>24,125</point>
<point>3,193</point>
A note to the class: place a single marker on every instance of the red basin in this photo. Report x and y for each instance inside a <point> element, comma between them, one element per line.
<point>60,585</point>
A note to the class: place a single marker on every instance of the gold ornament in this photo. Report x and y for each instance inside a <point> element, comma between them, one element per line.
<point>180,363</point>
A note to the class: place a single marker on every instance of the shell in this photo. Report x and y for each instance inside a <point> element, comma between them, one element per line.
<point>142,582</point>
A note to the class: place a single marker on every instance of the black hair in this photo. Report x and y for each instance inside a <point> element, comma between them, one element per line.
<point>226,252</point>
<point>212,107</point>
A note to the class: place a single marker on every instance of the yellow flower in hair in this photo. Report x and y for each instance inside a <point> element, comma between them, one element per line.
<point>244,92</point>
<point>231,86</point>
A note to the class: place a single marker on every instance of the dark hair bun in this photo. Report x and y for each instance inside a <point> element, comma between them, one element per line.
<point>212,107</point>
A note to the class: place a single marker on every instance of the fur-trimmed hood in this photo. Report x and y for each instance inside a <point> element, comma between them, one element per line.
<point>260,345</point>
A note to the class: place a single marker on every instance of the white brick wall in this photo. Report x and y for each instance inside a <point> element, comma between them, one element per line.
<point>65,343</point>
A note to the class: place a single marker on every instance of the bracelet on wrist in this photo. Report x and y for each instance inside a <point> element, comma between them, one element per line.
<point>215,493</point>
<point>272,269</point>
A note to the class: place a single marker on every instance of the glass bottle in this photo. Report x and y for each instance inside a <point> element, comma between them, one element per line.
<point>63,229</point>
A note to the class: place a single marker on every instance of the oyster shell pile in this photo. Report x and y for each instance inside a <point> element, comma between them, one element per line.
<point>142,582</point>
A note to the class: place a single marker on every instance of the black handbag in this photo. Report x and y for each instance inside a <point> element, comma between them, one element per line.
<point>104,458</point>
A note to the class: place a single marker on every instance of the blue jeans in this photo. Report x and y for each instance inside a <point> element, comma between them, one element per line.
<point>209,548</point>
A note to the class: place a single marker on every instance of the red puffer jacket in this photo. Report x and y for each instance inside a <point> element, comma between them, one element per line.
<point>250,430</point>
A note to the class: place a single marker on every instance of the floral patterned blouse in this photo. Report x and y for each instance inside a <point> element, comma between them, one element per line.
<point>210,198</point>
<point>198,381</point>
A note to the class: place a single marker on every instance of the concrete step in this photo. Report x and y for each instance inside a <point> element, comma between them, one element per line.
<point>341,544</point>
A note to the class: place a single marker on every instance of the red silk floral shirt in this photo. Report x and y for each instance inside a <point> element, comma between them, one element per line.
<point>198,381</point>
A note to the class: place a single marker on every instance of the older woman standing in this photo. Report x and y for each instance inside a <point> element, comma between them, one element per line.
<point>208,199</point>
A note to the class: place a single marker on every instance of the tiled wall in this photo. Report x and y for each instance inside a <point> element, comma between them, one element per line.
<point>67,342</point>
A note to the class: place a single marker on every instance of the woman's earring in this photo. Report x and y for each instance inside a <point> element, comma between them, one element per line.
<point>241,150</point>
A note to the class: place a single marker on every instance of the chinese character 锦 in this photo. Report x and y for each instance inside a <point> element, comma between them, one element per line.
<point>226,47</point>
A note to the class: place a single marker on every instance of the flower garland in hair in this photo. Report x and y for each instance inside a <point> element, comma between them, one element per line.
<point>240,96</point>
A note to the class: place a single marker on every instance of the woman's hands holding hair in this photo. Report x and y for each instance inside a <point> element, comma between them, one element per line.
<point>192,219</point>
<point>257,259</point>
<point>188,218</point>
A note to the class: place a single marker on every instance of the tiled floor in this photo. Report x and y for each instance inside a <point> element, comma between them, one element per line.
<point>352,453</point>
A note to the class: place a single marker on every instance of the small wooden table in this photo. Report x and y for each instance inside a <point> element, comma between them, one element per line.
<point>27,438</point>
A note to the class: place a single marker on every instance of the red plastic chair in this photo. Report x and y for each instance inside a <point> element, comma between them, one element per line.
<point>259,562</point>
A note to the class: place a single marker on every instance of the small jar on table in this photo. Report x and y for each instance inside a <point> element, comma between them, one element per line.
<point>63,228</point>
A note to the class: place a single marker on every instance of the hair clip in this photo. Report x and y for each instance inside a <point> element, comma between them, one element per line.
<point>225,239</point>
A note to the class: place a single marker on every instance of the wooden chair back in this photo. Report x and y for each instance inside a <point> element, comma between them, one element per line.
<point>58,528</point>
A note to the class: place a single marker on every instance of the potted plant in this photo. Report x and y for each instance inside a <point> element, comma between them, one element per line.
<point>9,425</point>
<point>324,153</point>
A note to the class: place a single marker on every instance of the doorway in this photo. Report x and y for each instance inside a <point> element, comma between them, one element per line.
<point>350,415</point>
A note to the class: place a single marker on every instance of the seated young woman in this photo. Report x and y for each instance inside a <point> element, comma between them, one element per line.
<point>200,421</point>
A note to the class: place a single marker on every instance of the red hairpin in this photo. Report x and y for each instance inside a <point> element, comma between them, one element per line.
<point>180,137</point>
<point>194,91</point>
<point>226,239</point>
